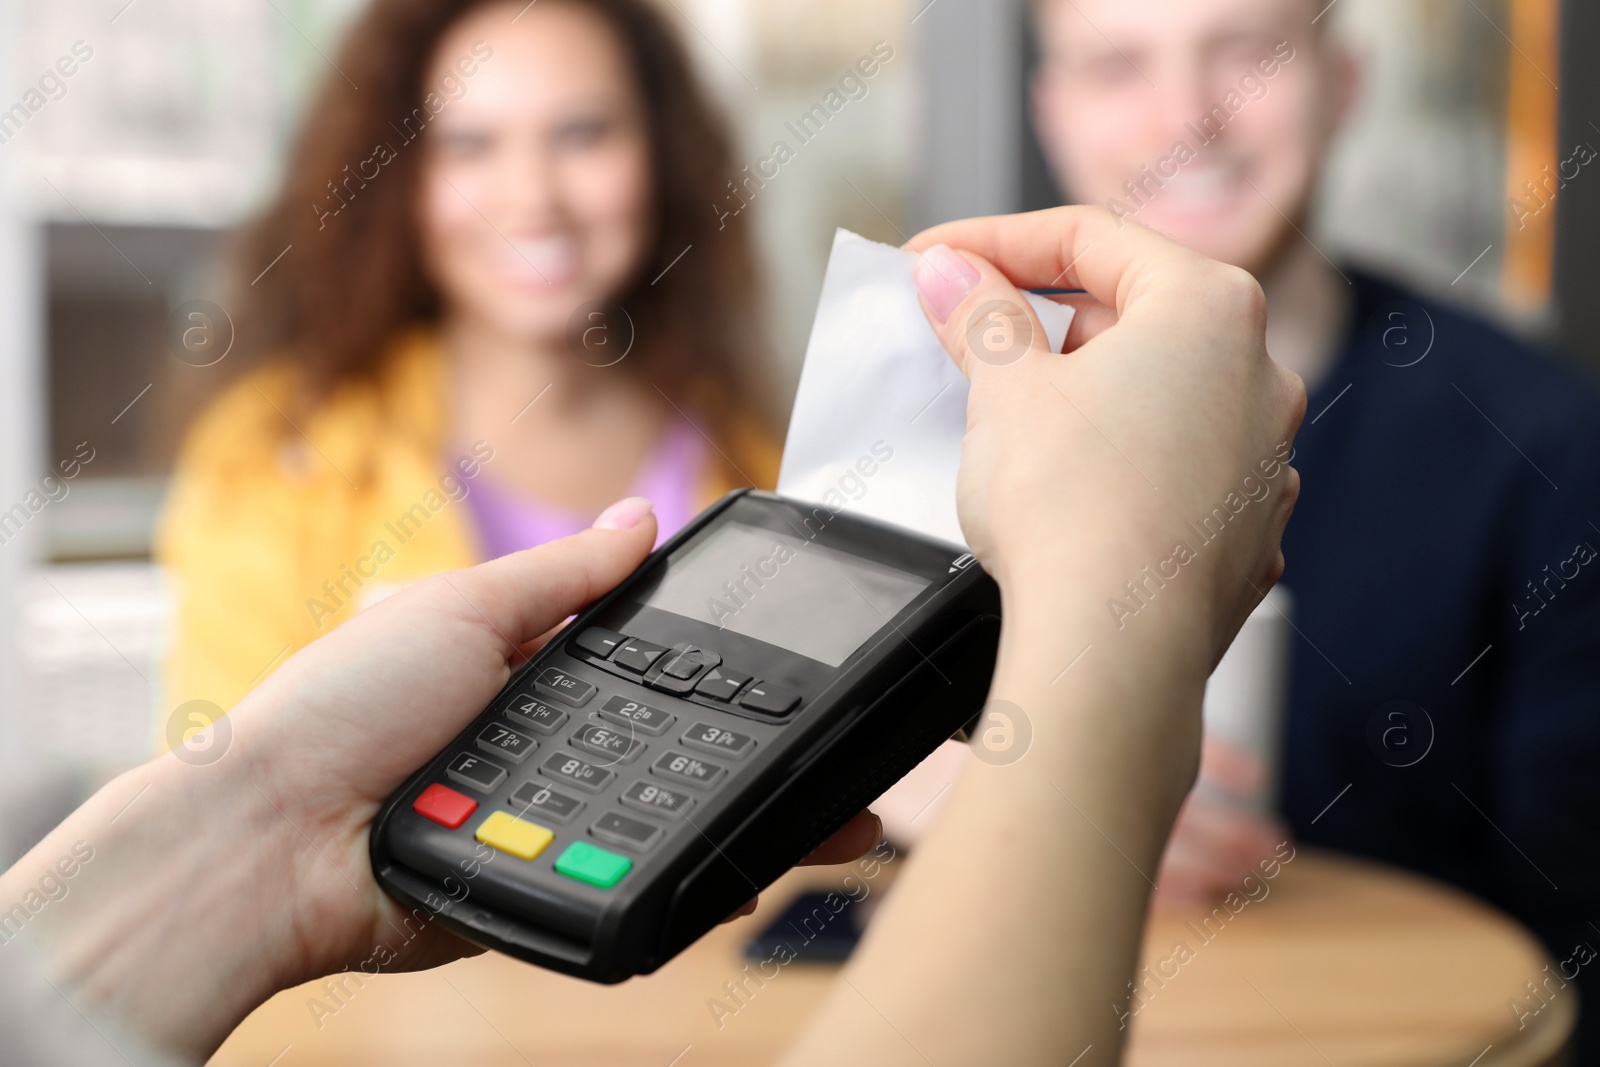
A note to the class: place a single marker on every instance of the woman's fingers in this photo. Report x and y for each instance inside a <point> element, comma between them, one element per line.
<point>855,838</point>
<point>1068,248</point>
<point>979,316</point>
<point>1090,318</point>
<point>1234,767</point>
<point>747,908</point>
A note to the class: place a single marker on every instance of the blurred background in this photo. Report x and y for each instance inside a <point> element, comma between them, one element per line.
<point>118,196</point>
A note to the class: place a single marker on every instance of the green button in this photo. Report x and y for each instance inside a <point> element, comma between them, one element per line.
<point>596,866</point>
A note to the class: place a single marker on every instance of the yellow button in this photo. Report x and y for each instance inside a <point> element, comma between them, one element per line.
<point>514,836</point>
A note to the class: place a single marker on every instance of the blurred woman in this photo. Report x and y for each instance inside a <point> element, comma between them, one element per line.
<point>494,296</point>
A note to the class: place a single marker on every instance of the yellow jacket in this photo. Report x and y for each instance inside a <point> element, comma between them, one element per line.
<point>275,531</point>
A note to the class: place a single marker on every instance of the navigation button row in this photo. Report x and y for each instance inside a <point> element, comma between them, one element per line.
<point>598,641</point>
<point>638,656</point>
<point>680,669</point>
<point>768,698</point>
<point>722,684</point>
<point>686,665</point>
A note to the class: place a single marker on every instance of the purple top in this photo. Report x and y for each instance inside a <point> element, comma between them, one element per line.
<point>509,522</point>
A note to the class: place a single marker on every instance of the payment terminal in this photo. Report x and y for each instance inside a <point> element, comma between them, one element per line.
<point>759,679</point>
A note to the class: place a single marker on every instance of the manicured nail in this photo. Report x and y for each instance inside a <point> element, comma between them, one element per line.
<point>624,514</point>
<point>944,279</point>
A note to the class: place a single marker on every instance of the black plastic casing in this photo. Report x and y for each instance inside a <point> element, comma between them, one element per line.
<point>858,729</point>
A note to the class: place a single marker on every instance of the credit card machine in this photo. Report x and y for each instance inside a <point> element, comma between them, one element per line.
<point>759,679</point>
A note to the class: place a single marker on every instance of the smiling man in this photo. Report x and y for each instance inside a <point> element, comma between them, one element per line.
<point>1445,686</point>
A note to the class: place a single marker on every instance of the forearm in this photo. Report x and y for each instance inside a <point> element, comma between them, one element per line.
<point>155,948</point>
<point>1013,933</point>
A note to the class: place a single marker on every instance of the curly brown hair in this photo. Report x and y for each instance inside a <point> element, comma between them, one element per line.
<point>353,285</point>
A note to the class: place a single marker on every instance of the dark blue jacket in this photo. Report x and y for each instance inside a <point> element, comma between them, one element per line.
<point>1444,710</point>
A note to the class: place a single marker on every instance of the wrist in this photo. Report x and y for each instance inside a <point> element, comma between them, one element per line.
<point>150,934</point>
<point>1098,600</point>
<point>1100,698</point>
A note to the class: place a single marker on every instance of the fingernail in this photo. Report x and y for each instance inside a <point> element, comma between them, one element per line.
<point>944,279</point>
<point>624,514</point>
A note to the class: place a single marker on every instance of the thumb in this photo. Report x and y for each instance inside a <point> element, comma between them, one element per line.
<point>525,594</point>
<point>980,317</point>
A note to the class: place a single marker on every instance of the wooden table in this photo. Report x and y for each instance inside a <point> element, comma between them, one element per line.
<point>1340,962</point>
<point>493,1011</point>
<point>1348,963</point>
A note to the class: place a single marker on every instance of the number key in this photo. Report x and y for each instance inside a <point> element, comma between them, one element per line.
<point>540,800</point>
<point>690,770</point>
<point>535,714</point>
<point>563,687</point>
<point>711,738</point>
<point>604,741</point>
<point>505,742</point>
<point>657,799</point>
<point>574,771</point>
<point>642,717</point>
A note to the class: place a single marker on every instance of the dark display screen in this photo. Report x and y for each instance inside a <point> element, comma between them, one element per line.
<point>792,593</point>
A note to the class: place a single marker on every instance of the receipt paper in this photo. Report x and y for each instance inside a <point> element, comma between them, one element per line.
<point>881,410</point>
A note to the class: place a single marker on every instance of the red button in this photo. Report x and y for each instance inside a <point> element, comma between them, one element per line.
<point>444,806</point>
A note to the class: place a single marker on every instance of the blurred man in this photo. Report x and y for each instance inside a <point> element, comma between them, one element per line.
<point>1444,700</point>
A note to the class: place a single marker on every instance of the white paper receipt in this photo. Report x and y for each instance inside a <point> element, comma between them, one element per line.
<point>881,410</point>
